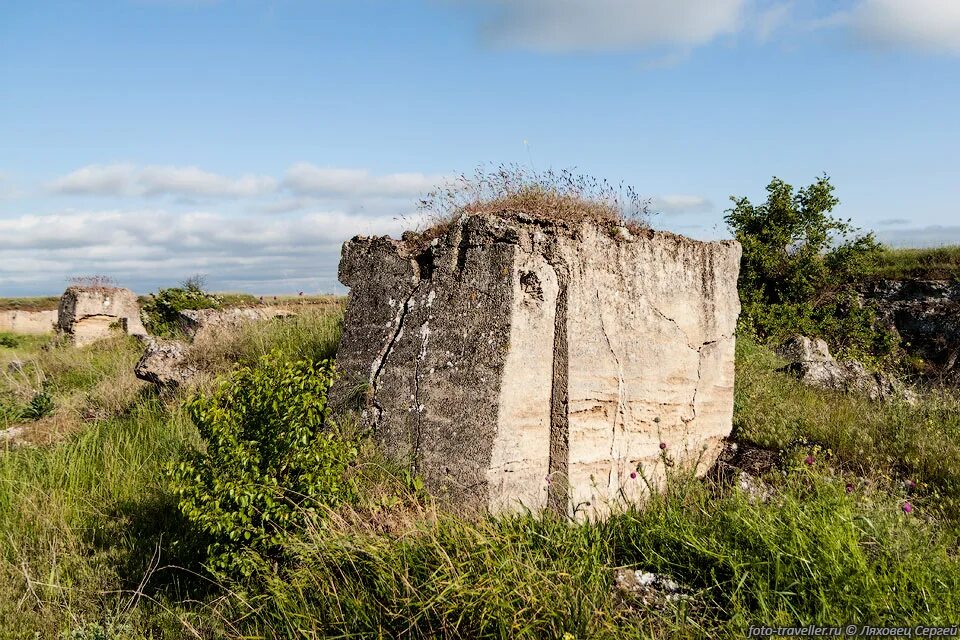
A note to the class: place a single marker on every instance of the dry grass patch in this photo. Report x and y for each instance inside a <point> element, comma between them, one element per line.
<point>562,198</point>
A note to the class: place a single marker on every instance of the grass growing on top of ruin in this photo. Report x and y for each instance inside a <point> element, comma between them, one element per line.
<point>91,541</point>
<point>516,192</point>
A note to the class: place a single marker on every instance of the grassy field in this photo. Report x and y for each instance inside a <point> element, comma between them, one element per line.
<point>92,545</point>
<point>940,263</point>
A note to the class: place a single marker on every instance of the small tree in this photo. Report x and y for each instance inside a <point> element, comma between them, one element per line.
<point>801,265</point>
<point>272,459</point>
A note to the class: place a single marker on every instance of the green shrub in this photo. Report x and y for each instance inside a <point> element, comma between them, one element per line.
<point>40,405</point>
<point>800,268</point>
<point>9,340</point>
<point>273,458</point>
<point>161,310</point>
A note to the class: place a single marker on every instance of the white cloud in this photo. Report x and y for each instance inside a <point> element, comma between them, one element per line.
<point>191,181</point>
<point>931,25</point>
<point>612,25</point>
<point>680,203</point>
<point>677,26</point>
<point>772,19</point>
<point>146,248</point>
<point>307,179</point>
<point>128,180</point>
<point>96,179</point>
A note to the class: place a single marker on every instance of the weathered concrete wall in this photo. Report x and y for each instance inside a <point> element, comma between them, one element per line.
<point>521,364</point>
<point>87,314</point>
<point>29,322</point>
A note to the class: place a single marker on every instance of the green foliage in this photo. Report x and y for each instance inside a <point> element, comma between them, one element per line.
<point>10,340</point>
<point>800,267</point>
<point>161,310</point>
<point>273,459</point>
<point>40,405</point>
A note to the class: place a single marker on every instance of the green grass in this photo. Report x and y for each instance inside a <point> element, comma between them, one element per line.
<point>91,542</point>
<point>38,303</point>
<point>941,263</point>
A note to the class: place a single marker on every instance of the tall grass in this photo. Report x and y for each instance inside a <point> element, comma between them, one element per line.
<point>813,554</point>
<point>915,441</point>
<point>91,543</point>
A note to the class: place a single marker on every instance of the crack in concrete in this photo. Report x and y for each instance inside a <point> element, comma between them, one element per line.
<point>621,409</point>
<point>381,360</point>
<point>559,453</point>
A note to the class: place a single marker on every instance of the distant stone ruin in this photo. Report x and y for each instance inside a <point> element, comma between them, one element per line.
<point>28,322</point>
<point>519,363</point>
<point>89,314</point>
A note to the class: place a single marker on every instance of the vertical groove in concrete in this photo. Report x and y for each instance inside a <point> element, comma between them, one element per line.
<point>558,490</point>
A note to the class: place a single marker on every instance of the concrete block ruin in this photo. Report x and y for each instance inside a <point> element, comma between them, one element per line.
<point>28,322</point>
<point>521,364</point>
<point>88,314</point>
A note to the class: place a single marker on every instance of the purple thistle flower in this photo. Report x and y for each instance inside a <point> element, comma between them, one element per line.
<point>907,507</point>
<point>633,475</point>
<point>849,487</point>
<point>810,459</point>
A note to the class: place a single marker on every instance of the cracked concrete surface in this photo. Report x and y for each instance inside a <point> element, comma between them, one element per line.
<point>525,365</point>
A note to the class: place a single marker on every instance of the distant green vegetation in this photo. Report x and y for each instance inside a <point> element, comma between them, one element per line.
<point>42,303</point>
<point>940,263</point>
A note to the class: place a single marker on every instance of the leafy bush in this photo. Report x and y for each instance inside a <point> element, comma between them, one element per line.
<point>800,267</point>
<point>272,459</point>
<point>161,311</point>
<point>40,405</point>
<point>10,340</point>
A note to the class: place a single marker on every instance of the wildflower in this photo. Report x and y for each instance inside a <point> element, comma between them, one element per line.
<point>849,487</point>
<point>907,507</point>
<point>633,475</point>
<point>810,459</point>
<point>910,484</point>
<point>663,446</point>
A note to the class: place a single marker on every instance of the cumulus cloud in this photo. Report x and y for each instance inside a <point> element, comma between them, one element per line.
<point>680,204</point>
<point>306,182</point>
<point>128,180</point>
<point>308,179</point>
<point>561,26</point>
<point>611,25</point>
<point>146,248</point>
<point>96,179</point>
<point>191,181</point>
<point>932,25</point>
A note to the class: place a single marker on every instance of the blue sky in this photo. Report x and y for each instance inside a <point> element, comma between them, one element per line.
<point>153,139</point>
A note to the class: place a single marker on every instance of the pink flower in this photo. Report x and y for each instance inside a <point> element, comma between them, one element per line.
<point>810,459</point>
<point>663,445</point>
<point>849,487</point>
<point>907,507</point>
<point>633,475</point>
